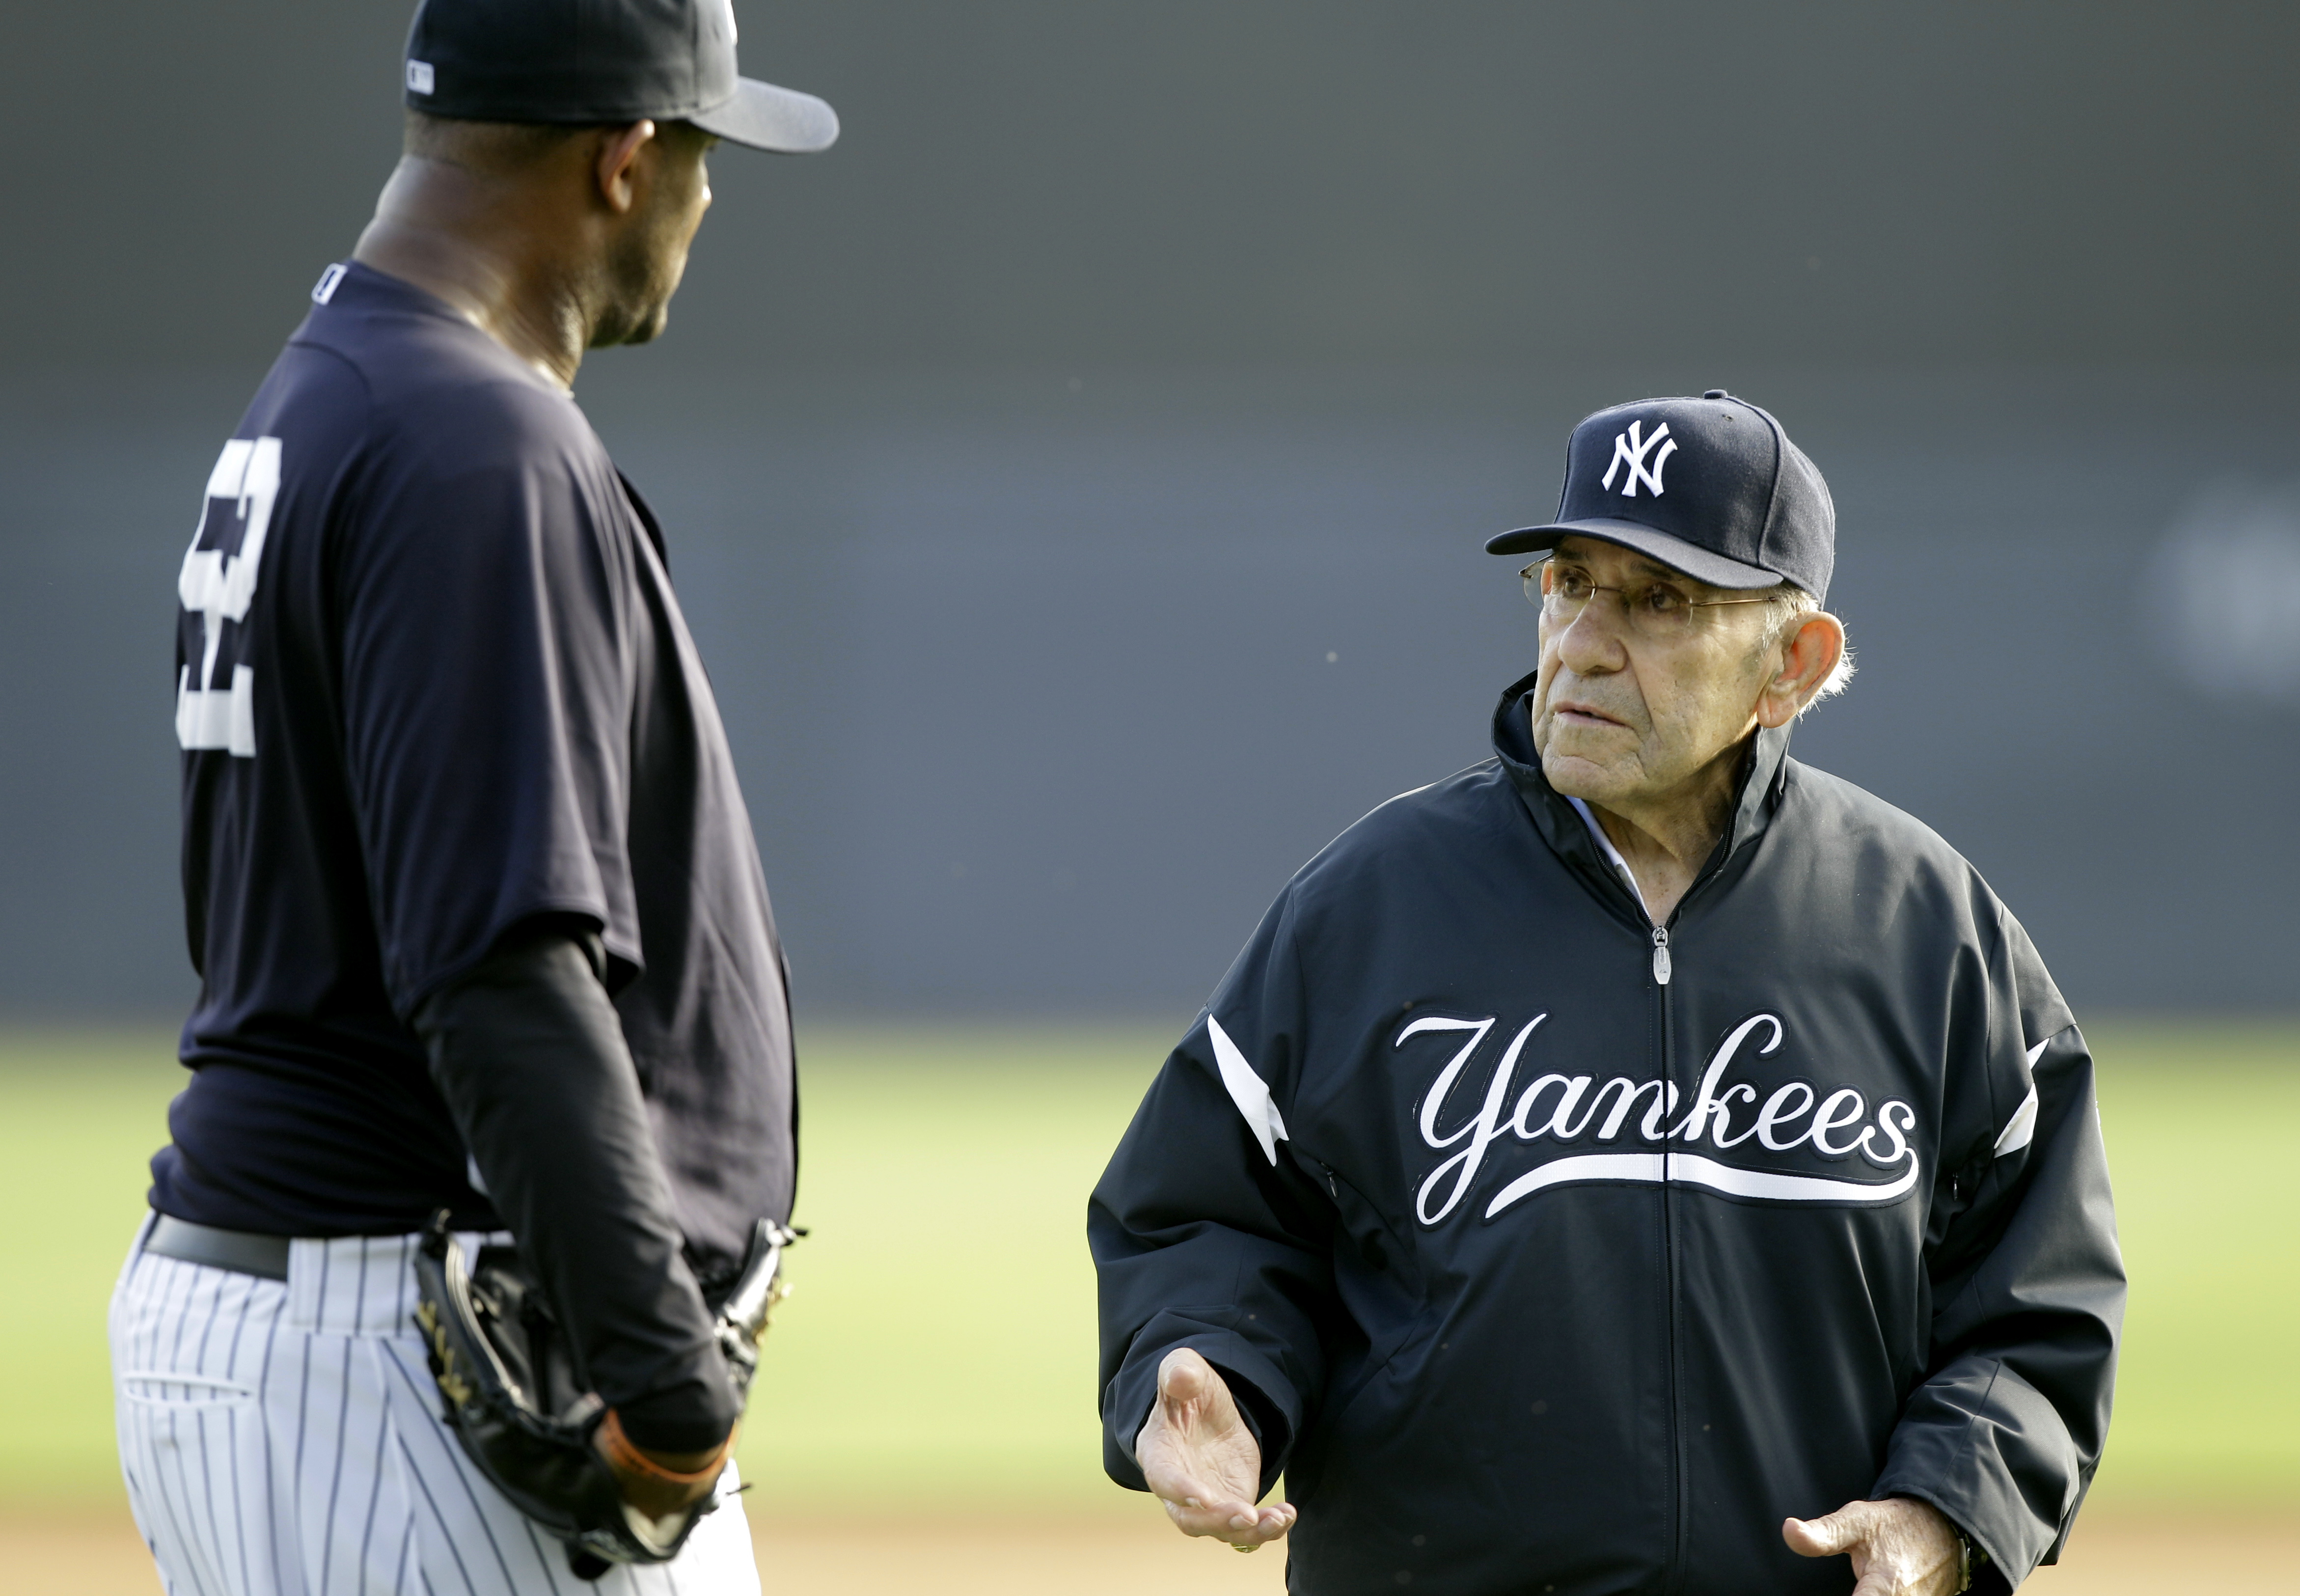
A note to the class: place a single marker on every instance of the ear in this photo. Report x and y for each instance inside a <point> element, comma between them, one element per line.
<point>616,170</point>
<point>1808,656</point>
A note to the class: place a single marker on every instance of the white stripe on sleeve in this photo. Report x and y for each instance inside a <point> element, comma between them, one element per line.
<point>1247,1091</point>
<point>2022,1126</point>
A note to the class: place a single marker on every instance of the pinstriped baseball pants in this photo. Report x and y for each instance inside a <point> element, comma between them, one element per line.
<point>284,1439</point>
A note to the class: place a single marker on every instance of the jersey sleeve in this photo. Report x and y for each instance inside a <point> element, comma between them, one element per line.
<point>487,683</point>
<point>2005,1432</point>
<point>1205,1232</point>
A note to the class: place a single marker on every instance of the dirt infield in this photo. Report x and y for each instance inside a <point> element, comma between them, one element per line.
<point>98,1555</point>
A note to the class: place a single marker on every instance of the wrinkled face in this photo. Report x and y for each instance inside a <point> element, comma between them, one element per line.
<point>649,256</point>
<point>1623,717</point>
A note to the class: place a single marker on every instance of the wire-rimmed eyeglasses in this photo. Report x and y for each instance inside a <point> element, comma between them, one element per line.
<point>1659,610</point>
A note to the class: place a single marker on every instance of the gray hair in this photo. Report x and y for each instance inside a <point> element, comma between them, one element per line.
<point>1785,608</point>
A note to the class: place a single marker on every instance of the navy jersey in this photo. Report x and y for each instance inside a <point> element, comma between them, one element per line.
<point>432,682</point>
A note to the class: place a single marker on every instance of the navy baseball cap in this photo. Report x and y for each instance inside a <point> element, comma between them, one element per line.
<point>602,61</point>
<point>1711,487</point>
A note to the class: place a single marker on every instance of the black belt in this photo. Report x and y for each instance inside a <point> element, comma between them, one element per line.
<point>243,1252</point>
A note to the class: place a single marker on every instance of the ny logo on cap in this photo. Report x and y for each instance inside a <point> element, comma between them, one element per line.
<point>1630,449</point>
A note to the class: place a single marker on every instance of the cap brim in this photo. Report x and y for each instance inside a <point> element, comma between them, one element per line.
<point>1676,553</point>
<point>767,118</point>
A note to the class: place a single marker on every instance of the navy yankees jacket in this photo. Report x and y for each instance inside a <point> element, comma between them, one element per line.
<point>1553,1252</point>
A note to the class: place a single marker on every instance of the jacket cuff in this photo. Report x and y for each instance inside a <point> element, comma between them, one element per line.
<point>1265,1399</point>
<point>1964,1449</point>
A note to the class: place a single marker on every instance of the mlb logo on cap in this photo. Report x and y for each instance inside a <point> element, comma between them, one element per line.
<point>1711,487</point>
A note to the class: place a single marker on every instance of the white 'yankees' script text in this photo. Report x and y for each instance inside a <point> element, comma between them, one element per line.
<point>1563,1108</point>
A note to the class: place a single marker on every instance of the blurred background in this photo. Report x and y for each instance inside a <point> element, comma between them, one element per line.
<point>1076,481</point>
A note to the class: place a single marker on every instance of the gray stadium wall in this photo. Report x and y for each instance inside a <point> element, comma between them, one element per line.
<point>1076,479</point>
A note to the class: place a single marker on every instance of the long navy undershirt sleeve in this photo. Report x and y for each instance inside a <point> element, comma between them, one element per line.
<point>530,1057</point>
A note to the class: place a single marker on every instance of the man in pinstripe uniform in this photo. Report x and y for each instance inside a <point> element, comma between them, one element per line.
<point>479,917</point>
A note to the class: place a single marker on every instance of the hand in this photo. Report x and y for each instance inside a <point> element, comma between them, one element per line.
<point>657,1498</point>
<point>1900,1546</point>
<point>1202,1461</point>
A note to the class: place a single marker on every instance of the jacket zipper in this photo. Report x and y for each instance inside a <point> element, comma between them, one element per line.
<point>1674,1573</point>
<point>1664,967</point>
<point>1674,1578</point>
<point>1679,1505</point>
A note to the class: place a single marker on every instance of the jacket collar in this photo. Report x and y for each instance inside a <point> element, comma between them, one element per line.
<point>1560,825</point>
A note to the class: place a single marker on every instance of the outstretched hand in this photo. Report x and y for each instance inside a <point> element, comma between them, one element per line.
<point>1202,1461</point>
<point>1899,1546</point>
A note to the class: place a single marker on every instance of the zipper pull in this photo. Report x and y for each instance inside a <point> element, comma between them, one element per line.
<point>1660,956</point>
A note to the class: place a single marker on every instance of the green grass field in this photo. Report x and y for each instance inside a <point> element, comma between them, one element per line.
<point>939,1352</point>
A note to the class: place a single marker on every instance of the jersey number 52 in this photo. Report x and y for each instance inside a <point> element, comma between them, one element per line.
<point>215,697</point>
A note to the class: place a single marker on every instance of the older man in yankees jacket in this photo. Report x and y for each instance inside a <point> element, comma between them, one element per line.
<point>1640,1162</point>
